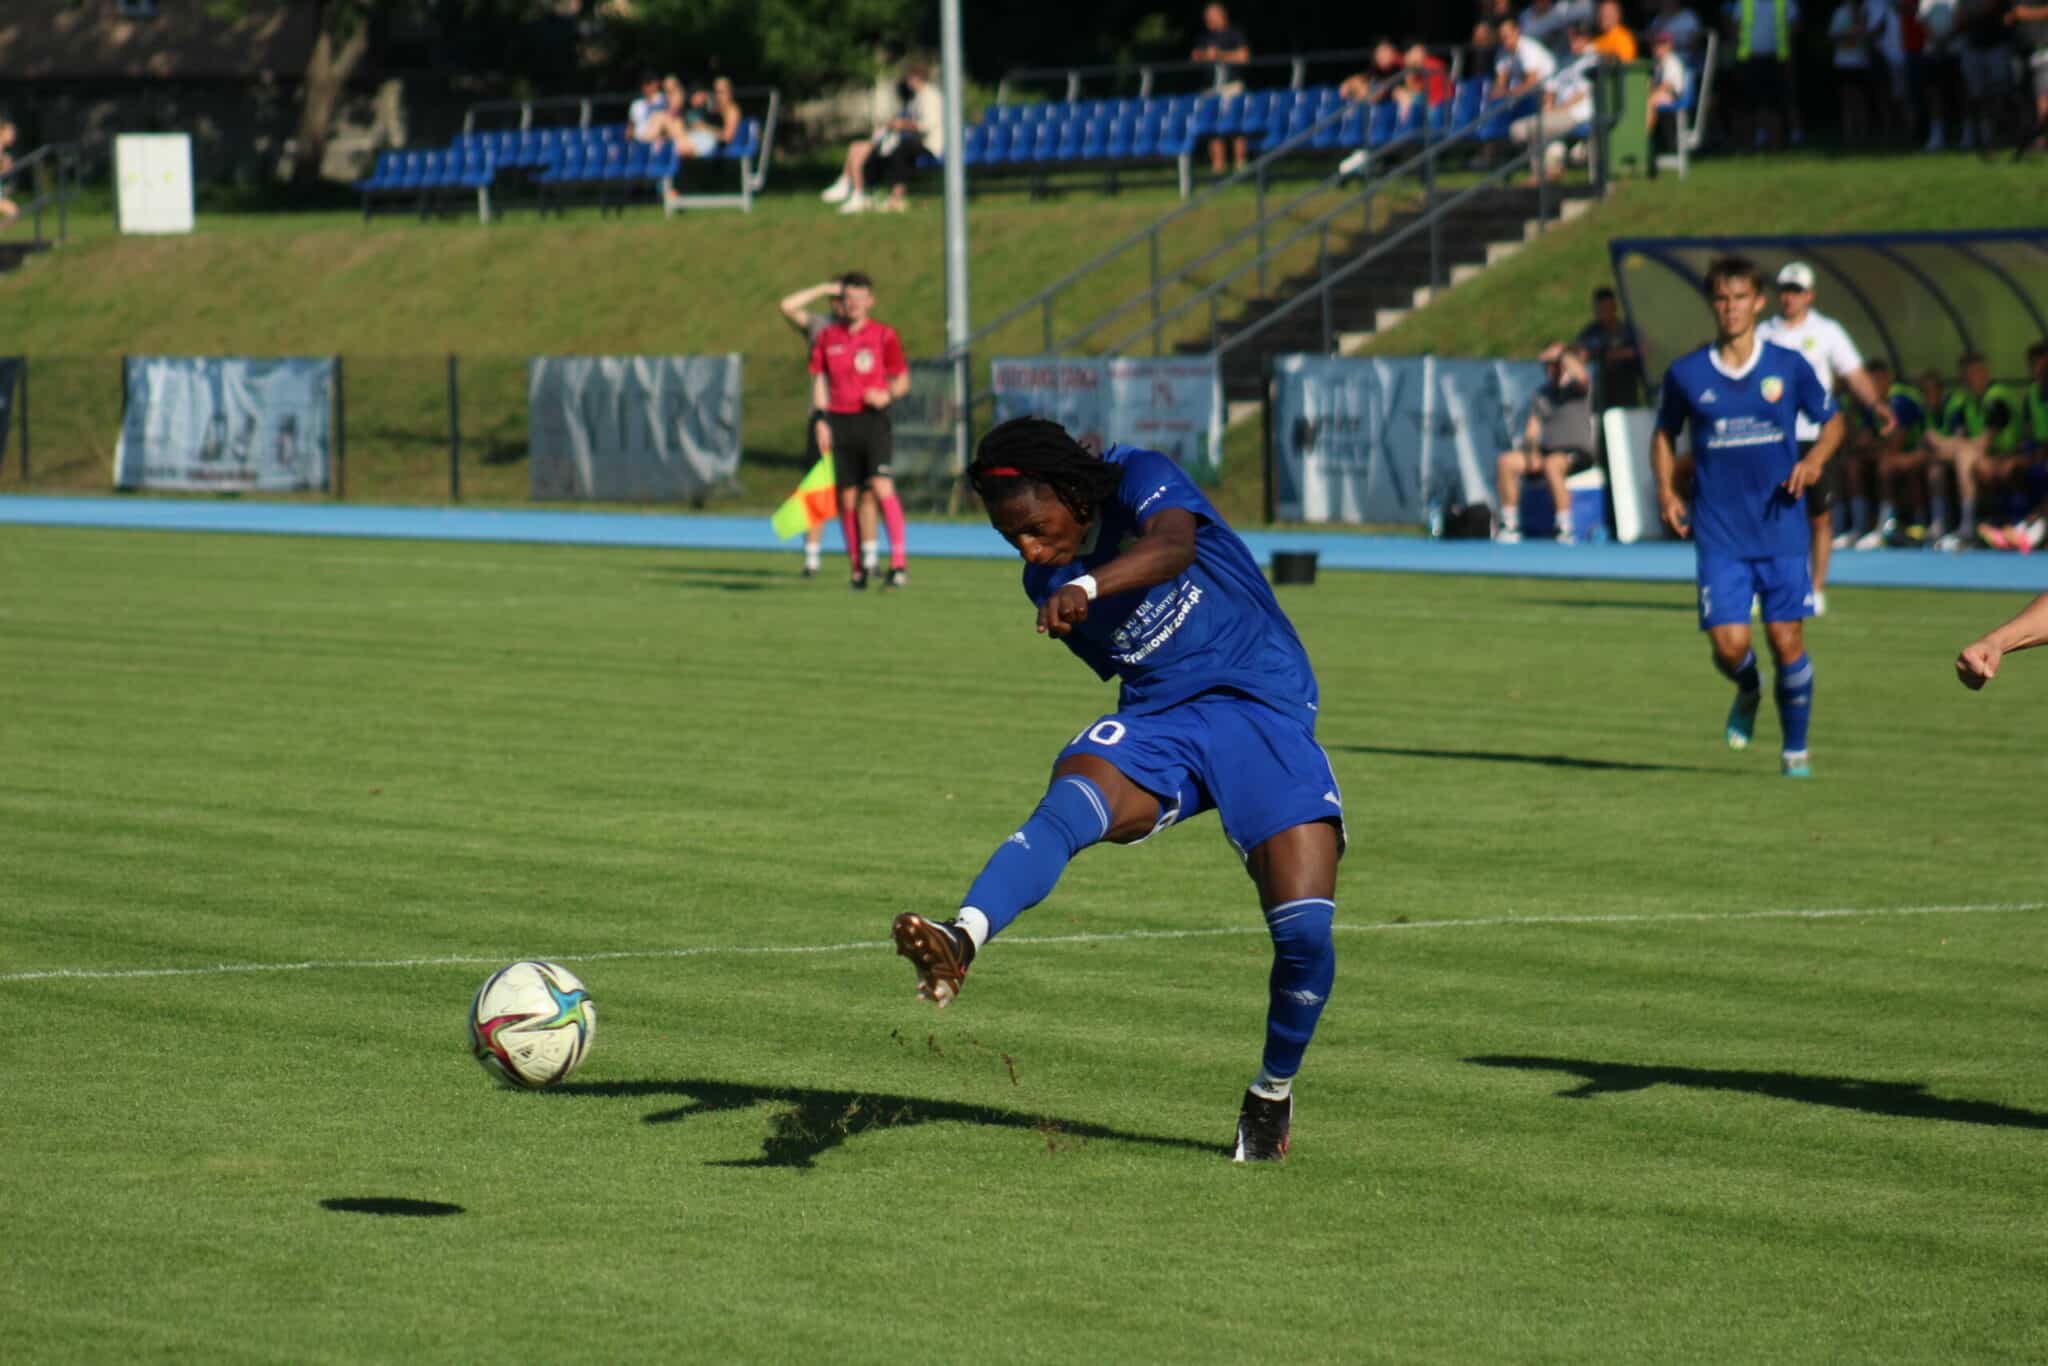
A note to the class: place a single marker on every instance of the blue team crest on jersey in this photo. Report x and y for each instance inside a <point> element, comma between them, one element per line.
<point>1773,388</point>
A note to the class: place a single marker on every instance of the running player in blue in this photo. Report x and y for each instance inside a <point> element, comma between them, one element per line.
<point>1743,396</point>
<point>1131,568</point>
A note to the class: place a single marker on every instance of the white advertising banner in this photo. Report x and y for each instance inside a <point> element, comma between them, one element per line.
<point>1171,406</point>
<point>1382,440</point>
<point>225,424</point>
<point>632,428</point>
<point>153,182</point>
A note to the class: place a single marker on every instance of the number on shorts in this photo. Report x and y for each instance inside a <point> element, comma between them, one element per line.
<point>1104,732</point>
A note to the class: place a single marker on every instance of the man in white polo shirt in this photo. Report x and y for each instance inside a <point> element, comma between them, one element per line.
<point>1801,327</point>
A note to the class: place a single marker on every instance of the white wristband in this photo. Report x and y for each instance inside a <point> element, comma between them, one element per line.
<point>1086,583</point>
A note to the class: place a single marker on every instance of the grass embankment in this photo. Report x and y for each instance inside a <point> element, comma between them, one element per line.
<point>394,297</point>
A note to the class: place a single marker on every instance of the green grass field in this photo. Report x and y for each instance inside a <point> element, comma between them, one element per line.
<point>1591,1088</point>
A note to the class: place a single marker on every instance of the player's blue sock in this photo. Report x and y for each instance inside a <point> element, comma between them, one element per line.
<point>1073,815</point>
<point>1304,966</point>
<point>1795,702</point>
<point>1743,675</point>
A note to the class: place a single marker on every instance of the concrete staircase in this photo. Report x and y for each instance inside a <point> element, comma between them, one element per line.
<point>1487,230</point>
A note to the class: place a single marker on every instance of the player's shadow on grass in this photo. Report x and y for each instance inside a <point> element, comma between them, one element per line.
<point>390,1205</point>
<point>722,579</point>
<point>1502,756</point>
<point>1903,1099</point>
<point>804,1123</point>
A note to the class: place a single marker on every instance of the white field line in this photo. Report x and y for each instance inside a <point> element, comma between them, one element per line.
<point>751,950</point>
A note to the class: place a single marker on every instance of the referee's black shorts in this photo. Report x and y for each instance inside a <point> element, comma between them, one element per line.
<point>1831,488</point>
<point>862,444</point>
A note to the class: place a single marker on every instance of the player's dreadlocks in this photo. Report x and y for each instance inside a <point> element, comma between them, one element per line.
<point>1027,451</point>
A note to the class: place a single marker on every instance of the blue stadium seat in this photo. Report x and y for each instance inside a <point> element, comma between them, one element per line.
<point>1095,140</point>
<point>746,142</point>
<point>976,138</point>
<point>1145,143</point>
<point>1045,141</point>
<point>1123,135</point>
<point>1380,124</point>
<point>1206,115</point>
<point>1070,141</point>
<point>1466,102</point>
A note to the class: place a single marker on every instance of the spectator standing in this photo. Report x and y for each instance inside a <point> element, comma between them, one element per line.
<point>1941,76</point>
<point>1986,54</point>
<point>1557,442</point>
<point>2030,27</point>
<point>1856,88</point>
<point>1613,354</point>
<point>1222,44</point>
<point>1763,32</point>
<point>1613,40</point>
<point>857,371</point>
<point>1548,22</point>
<point>1677,21</point>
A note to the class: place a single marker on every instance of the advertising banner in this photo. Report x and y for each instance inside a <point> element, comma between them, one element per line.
<point>1385,440</point>
<point>1172,406</point>
<point>153,182</point>
<point>922,425</point>
<point>632,428</point>
<point>225,424</point>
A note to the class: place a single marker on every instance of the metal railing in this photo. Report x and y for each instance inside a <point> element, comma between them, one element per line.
<point>1221,73</point>
<point>1532,158</point>
<point>53,170</point>
<point>1258,174</point>
<point>584,105</point>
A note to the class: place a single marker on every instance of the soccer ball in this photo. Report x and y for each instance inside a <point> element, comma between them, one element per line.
<point>532,1023</point>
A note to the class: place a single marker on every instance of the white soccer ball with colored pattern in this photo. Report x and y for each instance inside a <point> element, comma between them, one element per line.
<point>532,1023</point>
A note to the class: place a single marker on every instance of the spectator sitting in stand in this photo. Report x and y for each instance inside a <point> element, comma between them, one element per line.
<point>1567,103</point>
<point>1424,76</point>
<point>1613,40</point>
<point>1676,19</point>
<point>1557,442</point>
<point>1221,43</point>
<point>1669,78</point>
<point>646,117</point>
<point>1379,80</point>
<point>918,128</point>
<point>1482,50</point>
<point>1612,353</point>
<point>9,210</point>
<point>709,123</point>
<point>1521,64</point>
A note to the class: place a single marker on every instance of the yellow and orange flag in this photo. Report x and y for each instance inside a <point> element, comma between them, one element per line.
<point>814,503</point>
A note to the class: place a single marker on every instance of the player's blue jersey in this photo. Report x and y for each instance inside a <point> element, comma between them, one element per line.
<point>1216,626</point>
<point>1744,445</point>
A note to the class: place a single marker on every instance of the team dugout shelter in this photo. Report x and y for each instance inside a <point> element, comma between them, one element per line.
<point>1916,299</point>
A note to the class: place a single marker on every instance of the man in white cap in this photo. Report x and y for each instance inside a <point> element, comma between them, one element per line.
<point>1801,327</point>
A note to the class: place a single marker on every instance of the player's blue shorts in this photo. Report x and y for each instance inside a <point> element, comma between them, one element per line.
<point>1784,583</point>
<point>1260,768</point>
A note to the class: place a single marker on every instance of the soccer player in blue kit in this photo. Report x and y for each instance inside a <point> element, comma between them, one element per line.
<point>1743,396</point>
<point>1130,567</point>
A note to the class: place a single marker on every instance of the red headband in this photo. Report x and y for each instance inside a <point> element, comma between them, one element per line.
<point>1002,472</point>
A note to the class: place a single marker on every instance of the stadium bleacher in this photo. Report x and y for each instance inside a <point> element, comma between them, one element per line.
<point>563,165</point>
<point>1103,135</point>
